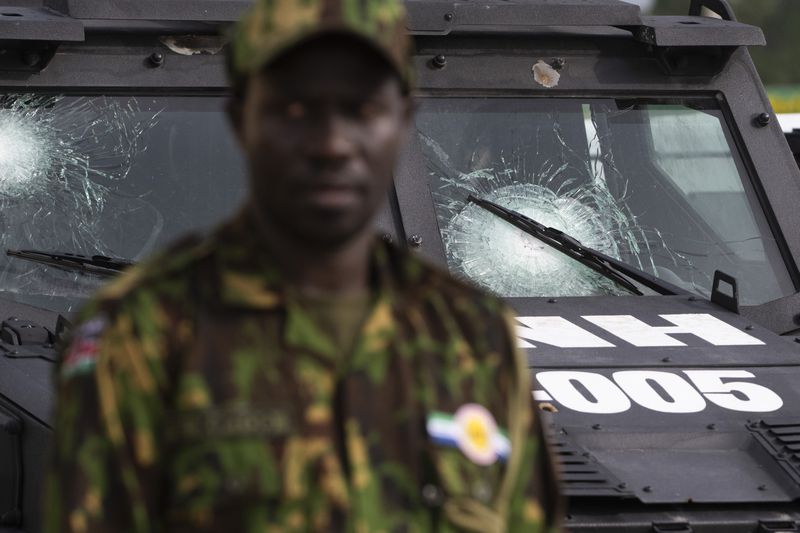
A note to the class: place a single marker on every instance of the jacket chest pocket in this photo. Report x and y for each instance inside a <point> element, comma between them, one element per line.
<point>224,458</point>
<point>469,453</point>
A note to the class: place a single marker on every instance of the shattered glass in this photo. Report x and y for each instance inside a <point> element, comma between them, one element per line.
<point>608,174</point>
<point>102,176</point>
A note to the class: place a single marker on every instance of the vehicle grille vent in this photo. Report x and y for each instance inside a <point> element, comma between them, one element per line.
<point>581,474</point>
<point>781,438</point>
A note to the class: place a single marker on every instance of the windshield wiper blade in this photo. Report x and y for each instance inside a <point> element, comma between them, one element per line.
<point>601,263</point>
<point>96,264</point>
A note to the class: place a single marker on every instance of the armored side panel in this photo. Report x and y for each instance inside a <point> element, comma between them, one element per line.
<point>648,138</point>
<point>669,413</point>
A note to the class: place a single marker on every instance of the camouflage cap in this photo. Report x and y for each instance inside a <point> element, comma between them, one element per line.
<point>271,27</point>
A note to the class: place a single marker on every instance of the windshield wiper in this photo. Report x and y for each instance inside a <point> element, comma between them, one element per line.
<point>96,264</point>
<point>601,263</point>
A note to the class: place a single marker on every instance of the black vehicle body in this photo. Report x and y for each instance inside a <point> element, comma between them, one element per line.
<point>667,413</point>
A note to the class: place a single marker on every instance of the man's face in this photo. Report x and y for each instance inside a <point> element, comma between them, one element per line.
<point>322,128</point>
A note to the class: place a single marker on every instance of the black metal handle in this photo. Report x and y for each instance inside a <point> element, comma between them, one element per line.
<point>720,7</point>
<point>728,301</point>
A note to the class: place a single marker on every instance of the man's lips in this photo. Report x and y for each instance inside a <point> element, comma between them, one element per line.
<point>332,196</point>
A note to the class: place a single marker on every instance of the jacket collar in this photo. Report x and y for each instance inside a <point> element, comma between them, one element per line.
<point>249,278</point>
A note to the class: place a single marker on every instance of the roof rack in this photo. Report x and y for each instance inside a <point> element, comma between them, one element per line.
<point>37,24</point>
<point>441,17</point>
<point>157,10</point>
<point>444,17</point>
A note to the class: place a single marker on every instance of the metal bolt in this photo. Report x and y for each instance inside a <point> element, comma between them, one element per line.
<point>762,487</point>
<point>763,120</point>
<point>666,359</point>
<point>797,339</point>
<point>754,425</point>
<point>552,301</point>
<point>597,426</point>
<point>415,241</point>
<point>622,486</point>
<point>692,298</point>
<point>387,238</point>
<point>558,63</point>
<point>748,328</point>
<point>439,61</point>
<point>449,17</point>
<point>156,59</point>
<point>548,407</point>
<point>711,426</point>
<point>648,488</point>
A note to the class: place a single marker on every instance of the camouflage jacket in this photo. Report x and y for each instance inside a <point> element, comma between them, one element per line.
<point>197,396</point>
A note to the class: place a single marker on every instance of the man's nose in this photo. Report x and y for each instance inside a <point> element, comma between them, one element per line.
<point>331,138</point>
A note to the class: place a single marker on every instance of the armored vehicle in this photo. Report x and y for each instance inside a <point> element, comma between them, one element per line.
<point>619,178</point>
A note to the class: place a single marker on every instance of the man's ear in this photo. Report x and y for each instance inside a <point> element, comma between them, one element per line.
<point>410,109</point>
<point>235,109</point>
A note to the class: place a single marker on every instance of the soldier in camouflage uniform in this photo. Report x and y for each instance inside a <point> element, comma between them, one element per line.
<point>291,372</point>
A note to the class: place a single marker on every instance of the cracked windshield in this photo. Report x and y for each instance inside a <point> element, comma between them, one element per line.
<point>655,184</point>
<point>113,176</point>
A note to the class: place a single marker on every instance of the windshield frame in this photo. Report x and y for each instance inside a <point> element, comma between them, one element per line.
<point>598,61</point>
<point>608,63</point>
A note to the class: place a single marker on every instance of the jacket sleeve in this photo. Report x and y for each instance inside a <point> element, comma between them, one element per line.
<point>103,470</point>
<point>534,502</point>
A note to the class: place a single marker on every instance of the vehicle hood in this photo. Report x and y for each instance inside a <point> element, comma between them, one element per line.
<point>665,399</point>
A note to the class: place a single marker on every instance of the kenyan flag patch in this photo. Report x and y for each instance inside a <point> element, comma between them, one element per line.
<point>81,356</point>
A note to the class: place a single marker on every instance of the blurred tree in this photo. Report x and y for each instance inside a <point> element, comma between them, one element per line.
<point>780,19</point>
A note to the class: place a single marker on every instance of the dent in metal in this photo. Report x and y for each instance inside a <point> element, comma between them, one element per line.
<point>545,75</point>
<point>189,45</point>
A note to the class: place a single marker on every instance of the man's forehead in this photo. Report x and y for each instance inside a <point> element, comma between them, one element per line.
<point>327,61</point>
<point>334,50</point>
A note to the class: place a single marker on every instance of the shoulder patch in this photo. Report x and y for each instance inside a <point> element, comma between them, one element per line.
<point>81,356</point>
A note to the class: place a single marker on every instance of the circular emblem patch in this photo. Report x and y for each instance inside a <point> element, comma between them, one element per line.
<point>477,433</point>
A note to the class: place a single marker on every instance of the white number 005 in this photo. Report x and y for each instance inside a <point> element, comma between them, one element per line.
<point>588,392</point>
